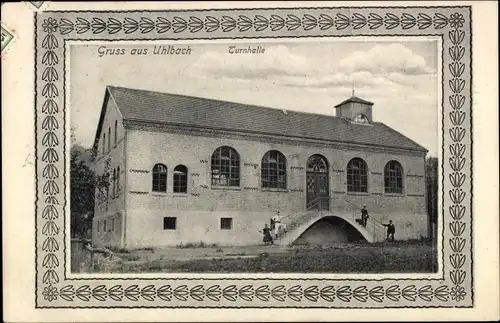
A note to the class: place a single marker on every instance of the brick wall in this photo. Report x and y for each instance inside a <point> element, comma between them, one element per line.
<point>199,211</point>
<point>109,207</point>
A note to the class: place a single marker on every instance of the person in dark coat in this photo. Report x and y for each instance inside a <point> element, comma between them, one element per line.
<point>391,230</point>
<point>268,238</point>
<point>364,216</point>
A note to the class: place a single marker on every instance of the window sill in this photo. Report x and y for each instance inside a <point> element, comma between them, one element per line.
<point>181,195</point>
<point>226,188</point>
<point>358,193</point>
<point>159,194</point>
<point>394,194</point>
<point>274,189</point>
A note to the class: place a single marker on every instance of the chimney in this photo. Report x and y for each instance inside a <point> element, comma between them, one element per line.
<point>355,110</point>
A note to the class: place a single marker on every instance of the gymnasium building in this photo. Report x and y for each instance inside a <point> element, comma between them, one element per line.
<point>186,170</point>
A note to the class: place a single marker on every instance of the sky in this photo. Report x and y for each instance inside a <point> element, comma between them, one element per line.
<point>400,77</point>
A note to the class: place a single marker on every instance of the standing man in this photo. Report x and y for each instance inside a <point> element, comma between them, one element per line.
<point>391,229</point>
<point>277,224</point>
<point>364,215</point>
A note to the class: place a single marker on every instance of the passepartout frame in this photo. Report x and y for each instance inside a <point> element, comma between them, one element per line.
<point>454,288</point>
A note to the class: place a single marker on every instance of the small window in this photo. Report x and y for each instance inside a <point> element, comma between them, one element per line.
<point>361,118</point>
<point>107,187</point>
<point>104,226</point>
<point>116,132</point>
<point>113,224</point>
<point>98,226</point>
<point>103,144</point>
<point>169,223</point>
<point>118,180</point>
<point>180,179</point>
<point>109,139</point>
<point>226,223</point>
<point>114,183</point>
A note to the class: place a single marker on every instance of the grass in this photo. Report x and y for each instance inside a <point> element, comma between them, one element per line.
<point>360,260</point>
<point>383,257</point>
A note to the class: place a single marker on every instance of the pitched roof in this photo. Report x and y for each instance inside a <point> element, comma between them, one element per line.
<point>354,99</point>
<point>149,106</point>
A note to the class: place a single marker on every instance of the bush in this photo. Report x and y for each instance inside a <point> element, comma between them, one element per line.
<point>200,244</point>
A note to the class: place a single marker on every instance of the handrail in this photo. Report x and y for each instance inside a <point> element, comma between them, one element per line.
<point>315,202</point>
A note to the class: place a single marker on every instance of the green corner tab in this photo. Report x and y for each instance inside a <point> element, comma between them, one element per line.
<point>37,4</point>
<point>6,38</point>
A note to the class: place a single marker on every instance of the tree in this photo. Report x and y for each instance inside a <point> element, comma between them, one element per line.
<point>431,181</point>
<point>82,188</point>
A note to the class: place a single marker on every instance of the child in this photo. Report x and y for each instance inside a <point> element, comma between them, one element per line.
<point>267,235</point>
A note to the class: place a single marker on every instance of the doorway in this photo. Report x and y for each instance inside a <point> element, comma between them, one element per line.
<point>318,193</point>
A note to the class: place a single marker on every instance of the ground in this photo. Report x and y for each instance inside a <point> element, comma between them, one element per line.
<point>384,257</point>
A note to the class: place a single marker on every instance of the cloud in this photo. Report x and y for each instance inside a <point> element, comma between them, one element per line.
<point>276,61</point>
<point>385,67</point>
<point>386,58</point>
<point>359,79</point>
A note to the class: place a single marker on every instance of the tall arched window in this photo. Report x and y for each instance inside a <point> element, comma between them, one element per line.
<point>357,175</point>
<point>273,170</point>
<point>393,177</point>
<point>118,180</point>
<point>114,183</point>
<point>159,178</point>
<point>225,167</point>
<point>103,144</point>
<point>109,139</point>
<point>180,179</point>
<point>116,131</point>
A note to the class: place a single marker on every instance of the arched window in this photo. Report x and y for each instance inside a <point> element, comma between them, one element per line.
<point>118,180</point>
<point>357,175</point>
<point>109,139</point>
<point>393,177</point>
<point>104,143</point>
<point>159,178</point>
<point>180,179</point>
<point>114,183</point>
<point>225,167</point>
<point>361,118</point>
<point>273,170</point>
<point>116,131</point>
<point>317,164</point>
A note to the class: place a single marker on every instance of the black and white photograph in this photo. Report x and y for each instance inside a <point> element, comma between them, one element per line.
<point>317,156</point>
<point>249,161</point>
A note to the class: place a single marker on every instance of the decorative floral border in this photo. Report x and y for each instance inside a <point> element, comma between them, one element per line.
<point>53,28</point>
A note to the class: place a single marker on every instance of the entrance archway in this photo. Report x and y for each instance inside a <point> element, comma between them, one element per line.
<point>318,193</point>
<point>329,230</point>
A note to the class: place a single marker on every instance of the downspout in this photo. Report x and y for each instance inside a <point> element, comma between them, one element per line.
<point>125,186</point>
<point>426,194</point>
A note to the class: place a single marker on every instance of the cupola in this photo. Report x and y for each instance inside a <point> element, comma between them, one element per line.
<point>355,110</point>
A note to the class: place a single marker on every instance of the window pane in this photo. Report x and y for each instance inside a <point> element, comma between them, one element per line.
<point>225,167</point>
<point>169,223</point>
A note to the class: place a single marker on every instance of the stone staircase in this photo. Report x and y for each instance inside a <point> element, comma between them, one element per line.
<point>298,223</point>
